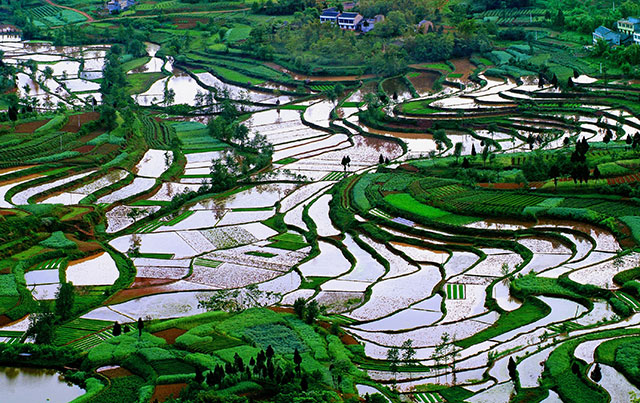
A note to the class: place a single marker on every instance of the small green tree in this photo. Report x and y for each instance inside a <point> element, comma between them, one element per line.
<point>65,297</point>
<point>312,312</point>
<point>393,357</point>
<point>299,307</point>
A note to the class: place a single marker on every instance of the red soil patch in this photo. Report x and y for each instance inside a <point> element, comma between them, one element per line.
<point>7,213</point>
<point>463,66</point>
<point>6,270</point>
<point>90,136</point>
<point>76,121</point>
<point>142,282</point>
<point>4,320</point>
<point>348,340</point>
<point>84,149</point>
<point>116,373</point>
<point>28,127</point>
<point>87,246</point>
<point>505,186</point>
<point>163,392</point>
<point>408,167</point>
<point>132,293</point>
<point>106,149</point>
<point>344,337</point>
<point>170,335</point>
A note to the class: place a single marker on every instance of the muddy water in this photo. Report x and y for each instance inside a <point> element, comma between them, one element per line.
<point>424,82</point>
<point>370,87</point>
<point>396,89</point>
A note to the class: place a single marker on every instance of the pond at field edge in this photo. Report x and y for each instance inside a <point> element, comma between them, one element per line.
<point>36,385</point>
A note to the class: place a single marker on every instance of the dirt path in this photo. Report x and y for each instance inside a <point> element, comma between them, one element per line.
<point>89,18</point>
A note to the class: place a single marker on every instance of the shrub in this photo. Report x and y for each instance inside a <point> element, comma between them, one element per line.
<point>281,338</point>
<point>57,240</point>
<point>189,339</point>
<point>8,285</point>
<point>54,124</point>
<point>93,386</point>
<point>121,390</point>
<point>155,354</point>
<point>202,360</point>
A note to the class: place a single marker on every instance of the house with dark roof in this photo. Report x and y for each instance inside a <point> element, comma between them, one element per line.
<point>605,34</point>
<point>330,15</point>
<point>349,21</point>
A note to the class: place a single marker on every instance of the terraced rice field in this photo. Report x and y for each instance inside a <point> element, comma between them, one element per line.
<point>482,269</point>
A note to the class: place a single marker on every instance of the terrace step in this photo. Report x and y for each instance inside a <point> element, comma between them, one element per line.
<point>428,397</point>
<point>629,300</point>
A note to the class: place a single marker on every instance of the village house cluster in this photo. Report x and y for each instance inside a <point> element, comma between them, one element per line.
<point>349,20</point>
<point>116,6</point>
<point>628,32</point>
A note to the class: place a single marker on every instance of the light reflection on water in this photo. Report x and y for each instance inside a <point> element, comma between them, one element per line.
<point>34,385</point>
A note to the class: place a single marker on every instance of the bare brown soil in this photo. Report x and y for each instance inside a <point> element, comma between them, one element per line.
<point>170,335</point>
<point>164,392</point>
<point>116,373</point>
<point>28,127</point>
<point>76,121</point>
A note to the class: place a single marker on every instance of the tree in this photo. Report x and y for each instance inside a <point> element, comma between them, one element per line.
<point>596,375</point>
<point>485,154</point>
<point>558,21</point>
<point>140,327</point>
<point>299,307</point>
<point>457,151</point>
<point>199,376</point>
<point>117,329</point>
<point>393,356</point>
<point>238,363</point>
<point>596,173</point>
<point>511,366</point>
<point>64,301</point>
<point>41,326</point>
<point>408,352</point>
<point>297,359</point>
<point>465,163</point>
<point>169,96</point>
<point>13,115</point>
<point>269,353</point>
<point>473,150</point>
<point>312,311</point>
<point>381,160</point>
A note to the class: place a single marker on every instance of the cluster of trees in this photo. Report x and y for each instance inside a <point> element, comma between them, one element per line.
<point>281,379</point>
<point>256,151</point>
<point>308,312</point>
<point>281,7</point>
<point>6,74</point>
<point>42,324</point>
<point>403,355</point>
<point>236,300</point>
<point>308,44</point>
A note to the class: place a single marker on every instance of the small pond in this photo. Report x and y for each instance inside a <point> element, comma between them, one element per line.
<point>35,385</point>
